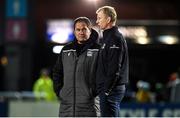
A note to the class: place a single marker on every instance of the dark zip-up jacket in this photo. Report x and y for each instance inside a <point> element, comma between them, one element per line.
<point>113,63</point>
<point>74,78</point>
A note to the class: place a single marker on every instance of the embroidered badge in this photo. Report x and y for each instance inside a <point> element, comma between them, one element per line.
<point>69,54</point>
<point>114,46</point>
<point>89,53</point>
<point>103,46</point>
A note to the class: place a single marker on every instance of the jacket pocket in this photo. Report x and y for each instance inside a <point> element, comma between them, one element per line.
<point>66,94</point>
<point>83,95</point>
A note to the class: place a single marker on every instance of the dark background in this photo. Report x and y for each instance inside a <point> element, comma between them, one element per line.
<point>153,62</point>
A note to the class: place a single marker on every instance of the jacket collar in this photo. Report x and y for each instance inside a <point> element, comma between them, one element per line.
<point>110,31</point>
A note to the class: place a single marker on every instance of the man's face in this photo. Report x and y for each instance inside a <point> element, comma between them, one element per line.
<point>81,32</point>
<point>102,20</point>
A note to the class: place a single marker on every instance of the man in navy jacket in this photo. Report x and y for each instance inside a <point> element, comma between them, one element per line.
<point>113,64</point>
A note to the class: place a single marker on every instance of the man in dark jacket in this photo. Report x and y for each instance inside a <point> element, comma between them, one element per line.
<point>74,72</point>
<point>112,72</point>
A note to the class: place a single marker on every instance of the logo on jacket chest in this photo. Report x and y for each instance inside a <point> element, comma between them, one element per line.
<point>89,53</point>
<point>103,46</point>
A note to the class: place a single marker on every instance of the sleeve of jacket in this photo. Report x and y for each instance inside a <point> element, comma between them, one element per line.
<point>115,56</point>
<point>58,75</point>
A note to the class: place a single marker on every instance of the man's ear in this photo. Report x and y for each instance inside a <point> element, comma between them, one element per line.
<point>108,19</point>
<point>91,30</point>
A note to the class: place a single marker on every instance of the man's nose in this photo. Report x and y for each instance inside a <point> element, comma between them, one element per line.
<point>81,32</point>
<point>97,21</point>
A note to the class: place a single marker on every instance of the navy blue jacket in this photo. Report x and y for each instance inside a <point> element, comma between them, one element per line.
<point>113,63</point>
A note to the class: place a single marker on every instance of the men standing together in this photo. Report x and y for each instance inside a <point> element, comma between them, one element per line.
<point>85,69</point>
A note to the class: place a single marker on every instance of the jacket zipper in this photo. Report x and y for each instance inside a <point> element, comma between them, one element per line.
<point>74,82</point>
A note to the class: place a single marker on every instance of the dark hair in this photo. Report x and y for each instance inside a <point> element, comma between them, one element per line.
<point>83,19</point>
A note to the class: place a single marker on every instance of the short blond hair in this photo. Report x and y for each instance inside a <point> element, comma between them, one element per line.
<point>109,11</point>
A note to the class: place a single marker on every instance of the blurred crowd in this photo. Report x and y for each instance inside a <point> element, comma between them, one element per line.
<point>162,93</point>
